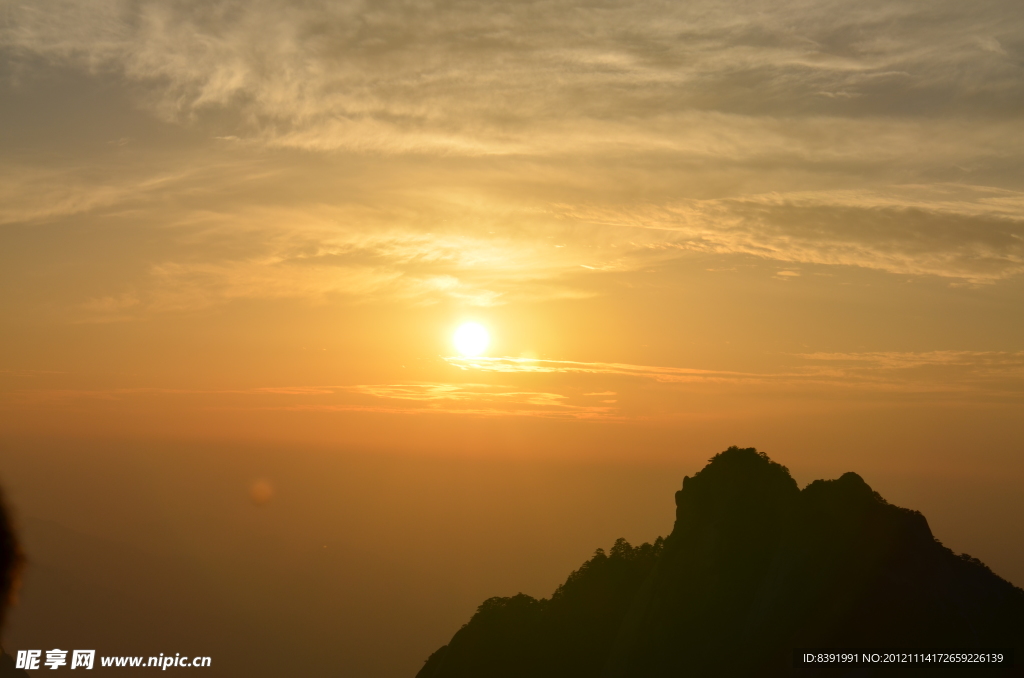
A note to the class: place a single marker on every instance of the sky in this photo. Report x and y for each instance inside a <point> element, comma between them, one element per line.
<point>231,226</point>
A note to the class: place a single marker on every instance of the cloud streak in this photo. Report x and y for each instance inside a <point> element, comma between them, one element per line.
<point>970,233</point>
<point>414,398</point>
<point>955,372</point>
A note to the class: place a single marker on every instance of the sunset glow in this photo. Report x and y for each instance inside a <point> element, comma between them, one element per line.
<point>345,303</point>
<point>471,339</point>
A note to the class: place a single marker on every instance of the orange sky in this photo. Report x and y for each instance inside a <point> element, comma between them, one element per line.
<point>797,225</point>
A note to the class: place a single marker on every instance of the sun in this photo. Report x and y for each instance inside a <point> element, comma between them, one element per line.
<point>471,339</point>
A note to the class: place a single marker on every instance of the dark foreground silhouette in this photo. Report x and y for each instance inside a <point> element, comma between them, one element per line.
<point>11,560</point>
<point>754,568</point>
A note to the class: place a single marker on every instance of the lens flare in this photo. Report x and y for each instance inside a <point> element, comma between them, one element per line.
<point>471,339</point>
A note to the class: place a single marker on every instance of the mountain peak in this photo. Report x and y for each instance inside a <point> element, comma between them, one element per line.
<point>741,495</point>
<point>753,568</point>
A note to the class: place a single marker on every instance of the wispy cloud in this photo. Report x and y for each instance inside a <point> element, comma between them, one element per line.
<point>398,76</point>
<point>961,232</point>
<point>538,366</point>
<point>485,398</point>
<point>29,193</point>
<point>524,152</point>
<point>414,398</point>
<point>957,372</point>
<point>318,255</point>
<point>995,375</point>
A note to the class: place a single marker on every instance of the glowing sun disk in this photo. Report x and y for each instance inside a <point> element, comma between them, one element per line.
<point>471,339</point>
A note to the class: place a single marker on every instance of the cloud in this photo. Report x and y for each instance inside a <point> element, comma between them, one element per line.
<point>486,77</point>
<point>29,193</point>
<point>972,233</point>
<point>318,254</point>
<point>538,366</point>
<point>958,373</point>
<point>479,247</point>
<point>476,400</point>
<point>495,152</point>
<point>479,398</point>
<point>999,364</point>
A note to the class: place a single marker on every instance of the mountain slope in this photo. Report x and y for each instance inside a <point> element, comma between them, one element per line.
<point>567,635</point>
<point>754,568</point>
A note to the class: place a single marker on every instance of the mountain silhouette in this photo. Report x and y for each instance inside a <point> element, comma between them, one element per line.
<point>754,568</point>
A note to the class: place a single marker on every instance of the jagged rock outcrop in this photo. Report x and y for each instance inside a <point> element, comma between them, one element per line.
<point>753,568</point>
